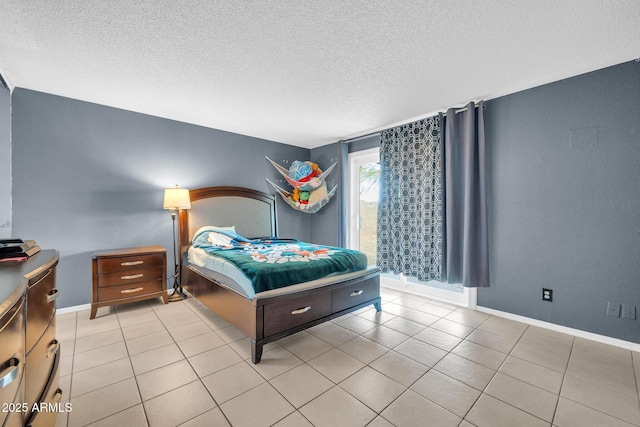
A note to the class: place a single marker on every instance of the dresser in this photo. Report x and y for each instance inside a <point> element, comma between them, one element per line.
<point>127,275</point>
<point>29,350</point>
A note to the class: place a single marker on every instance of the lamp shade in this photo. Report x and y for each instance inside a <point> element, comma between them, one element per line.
<point>176,198</point>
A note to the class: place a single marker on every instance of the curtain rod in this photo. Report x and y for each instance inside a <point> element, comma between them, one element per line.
<point>358,138</point>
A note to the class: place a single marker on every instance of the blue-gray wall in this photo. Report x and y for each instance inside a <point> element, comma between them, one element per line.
<point>88,177</point>
<point>5,160</point>
<point>564,200</point>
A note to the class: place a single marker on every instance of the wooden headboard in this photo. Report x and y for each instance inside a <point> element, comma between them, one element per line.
<point>252,212</point>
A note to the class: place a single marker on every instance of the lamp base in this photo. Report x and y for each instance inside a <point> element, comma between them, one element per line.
<point>176,296</point>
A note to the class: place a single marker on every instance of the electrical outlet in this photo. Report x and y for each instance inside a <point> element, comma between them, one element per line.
<point>547,294</point>
<point>613,309</point>
<point>629,311</point>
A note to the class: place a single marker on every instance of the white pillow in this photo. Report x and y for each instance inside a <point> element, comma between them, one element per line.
<point>219,239</point>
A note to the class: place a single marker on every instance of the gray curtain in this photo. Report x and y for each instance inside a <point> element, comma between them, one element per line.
<point>465,246</point>
<point>410,204</point>
<point>343,194</point>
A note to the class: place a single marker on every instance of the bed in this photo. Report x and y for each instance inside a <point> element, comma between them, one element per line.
<point>273,314</point>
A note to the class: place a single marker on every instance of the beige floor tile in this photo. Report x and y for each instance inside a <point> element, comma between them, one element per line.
<point>363,349</point>
<point>148,342</point>
<point>167,378</point>
<point>276,361</point>
<point>434,309</point>
<point>522,395</point>
<point>356,324</point>
<point>550,341</point>
<point>201,343</point>
<point>420,317</point>
<point>334,334</point>
<point>230,334</point>
<point>156,358</point>
<point>179,405</point>
<point>491,412</point>
<point>386,336</point>
<point>189,330</point>
<point>540,356</point>
<point>393,308</point>
<point>66,363</point>
<point>380,422</point>
<point>99,356</point>
<point>214,360</point>
<point>372,388</point>
<point>410,301</point>
<point>466,371</point>
<point>95,326</point>
<point>378,317</point>
<point>132,318</point>
<point>421,351</point>
<point>337,408</point>
<point>539,376</point>
<point>447,392</point>
<point>573,414</point>
<point>404,326</point>
<point>438,338</point>
<point>608,369</point>
<point>98,340</point>
<point>582,343</point>
<point>262,405</point>
<point>307,347</point>
<point>185,318</point>
<point>603,399</point>
<point>295,419</point>
<point>496,342</point>
<point>336,365</point>
<point>101,403</point>
<point>503,327</point>
<point>453,328</point>
<point>480,354</point>
<point>132,417</point>
<point>467,317</point>
<point>301,384</point>
<point>232,381</point>
<point>101,376</point>
<point>213,417</point>
<point>411,409</point>
<point>146,328</point>
<point>399,367</point>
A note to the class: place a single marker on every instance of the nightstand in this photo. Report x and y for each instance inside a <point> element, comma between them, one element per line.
<point>127,275</point>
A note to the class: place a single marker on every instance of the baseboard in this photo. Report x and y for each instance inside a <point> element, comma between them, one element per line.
<point>73,308</point>
<point>563,329</point>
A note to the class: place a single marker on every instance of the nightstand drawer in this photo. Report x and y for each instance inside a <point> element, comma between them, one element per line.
<point>126,277</point>
<point>129,291</point>
<point>134,262</point>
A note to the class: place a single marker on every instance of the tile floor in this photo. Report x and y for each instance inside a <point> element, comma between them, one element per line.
<point>417,363</point>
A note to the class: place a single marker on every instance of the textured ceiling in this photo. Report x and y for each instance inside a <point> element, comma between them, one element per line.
<point>305,72</point>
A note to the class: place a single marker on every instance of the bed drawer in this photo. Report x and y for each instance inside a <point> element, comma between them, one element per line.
<point>354,294</point>
<point>130,262</point>
<point>129,276</point>
<point>293,312</point>
<point>130,290</point>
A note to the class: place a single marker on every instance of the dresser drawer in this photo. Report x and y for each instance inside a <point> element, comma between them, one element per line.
<point>351,295</point>
<point>40,363</point>
<point>132,262</point>
<point>41,306</point>
<point>51,397</point>
<point>290,313</point>
<point>126,277</point>
<point>12,357</point>
<point>130,290</point>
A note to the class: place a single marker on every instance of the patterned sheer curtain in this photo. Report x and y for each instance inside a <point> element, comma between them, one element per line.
<point>410,205</point>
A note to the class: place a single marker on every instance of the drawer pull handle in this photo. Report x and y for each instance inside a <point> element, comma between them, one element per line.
<point>129,263</point>
<point>53,348</point>
<point>130,291</point>
<point>57,397</point>
<point>301,310</point>
<point>53,295</point>
<point>356,293</point>
<point>10,373</point>
<point>133,276</point>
